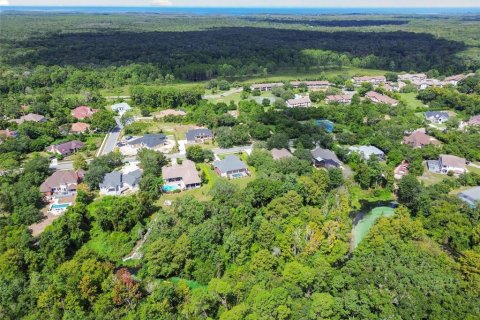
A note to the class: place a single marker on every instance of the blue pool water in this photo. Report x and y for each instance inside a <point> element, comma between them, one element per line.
<point>237,175</point>
<point>57,206</point>
<point>168,188</point>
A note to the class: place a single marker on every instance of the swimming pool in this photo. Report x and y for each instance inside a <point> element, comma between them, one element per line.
<point>169,188</point>
<point>59,206</point>
<point>237,175</point>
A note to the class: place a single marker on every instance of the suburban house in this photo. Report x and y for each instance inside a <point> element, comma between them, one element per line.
<point>8,133</point>
<point>199,135</point>
<point>437,116</point>
<point>266,86</point>
<point>79,127</point>
<point>447,163</point>
<point>116,182</point>
<point>339,98</point>
<point>61,184</point>
<point>412,77</point>
<point>181,176</point>
<point>278,154</point>
<point>121,108</point>
<point>149,141</point>
<point>301,102</point>
<point>375,80</point>
<point>33,117</point>
<point>83,112</point>
<point>424,84</point>
<point>418,139</point>
<point>471,196</point>
<point>376,97</point>
<point>231,167</point>
<point>474,121</point>
<point>170,112</point>
<point>455,79</point>
<point>324,158</point>
<point>368,152</point>
<point>66,148</point>
<point>311,85</point>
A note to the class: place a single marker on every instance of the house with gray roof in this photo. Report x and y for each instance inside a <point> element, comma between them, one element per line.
<point>437,116</point>
<point>368,151</point>
<point>231,167</point>
<point>150,141</point>
<point>471,196</point>
<point>278,154</point>
<point>199,135</point>
<point>116,182</point>
<point>324,158</point>
<point>66,148</point>
<point>181,176</point>
<point>121,108</point>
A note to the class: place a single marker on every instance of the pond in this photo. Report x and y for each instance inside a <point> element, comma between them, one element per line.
<point>366,218</point>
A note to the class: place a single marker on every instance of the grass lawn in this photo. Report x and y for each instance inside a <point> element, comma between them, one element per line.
<point>474,169</point>
<point>411,101</point>
<point>357,194</point>
<point>430,178</point>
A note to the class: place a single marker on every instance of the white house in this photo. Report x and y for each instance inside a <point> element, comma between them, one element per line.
<point>121,108</point>
<point>300,102</point>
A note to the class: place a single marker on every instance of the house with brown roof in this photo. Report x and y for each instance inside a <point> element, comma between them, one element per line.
<point>376,97</point>
<point>311,85</point>
<point>474,121</point>
<point>61,184</point>
<point>33,117</point>
<point>418,139</point>
<point>66,148</point>
<point>170,112</point>
<point>181,176</point>
<point>339,98</point>
<point>83,112</point>
<point>8,133</point>
<point>412,77</point>
<point>455,79</point>
<point>79,127</point>
<point>278,154</point>
<point>375,80</point>
<point>301,102</point>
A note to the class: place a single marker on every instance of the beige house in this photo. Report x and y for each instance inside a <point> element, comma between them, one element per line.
<point>181,176</point>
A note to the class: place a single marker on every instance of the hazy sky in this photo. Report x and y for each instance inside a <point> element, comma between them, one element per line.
<point>251,3</point>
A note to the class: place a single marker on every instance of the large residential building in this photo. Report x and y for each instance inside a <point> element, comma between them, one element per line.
<point>339,98</point>
<point>437,116</point>
<point>66,148</point>
<point>418,139</point>
<point>375,80</point>
<point>278,154</point>
<point>61,184</point>
<point>181,176</point>
<point>199,135</point>
<point>302,102</point>
<point>412,77</point>
<point>231,167</point>
<point>471,196</point>
<point>266,86</point>
<point>149,141</point>
<point>454,80</point>
<point>368,152</point>
<point>376,97</point>
<point>83,112</point>
<point>79,127</point>
<point>33,117</point>
<point>311,85</point>
<point>116,182</point>
<point>324,158</point>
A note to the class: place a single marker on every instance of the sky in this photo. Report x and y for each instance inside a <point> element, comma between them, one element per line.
<point>248,3</point>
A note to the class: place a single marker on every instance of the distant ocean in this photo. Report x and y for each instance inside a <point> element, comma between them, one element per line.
<point>244,11</point>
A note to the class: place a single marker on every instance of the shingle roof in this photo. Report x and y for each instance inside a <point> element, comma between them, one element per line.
<point>324,154</point>
<point>280,153</point>
<point>132,178</point>
<point>367,151</point>
<point>170,112</point>
<point>230,163</point>
<point>149,140</point>
<point>301,100</point>
<point>472,195</point>
<point>193,133</point>
<point>79,127</point>
<point>419,139</point>
<point>67,147</point>
<point>66,177</point>
<point>83,112</point>
<point>112,179</point>
<point>187,171</point>
<point>121,106</point>
<point>453,161</point>
<point>377,97</point>
<point>436,114</point>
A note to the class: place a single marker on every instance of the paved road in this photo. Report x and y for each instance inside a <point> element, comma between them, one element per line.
<point>112,138</point>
